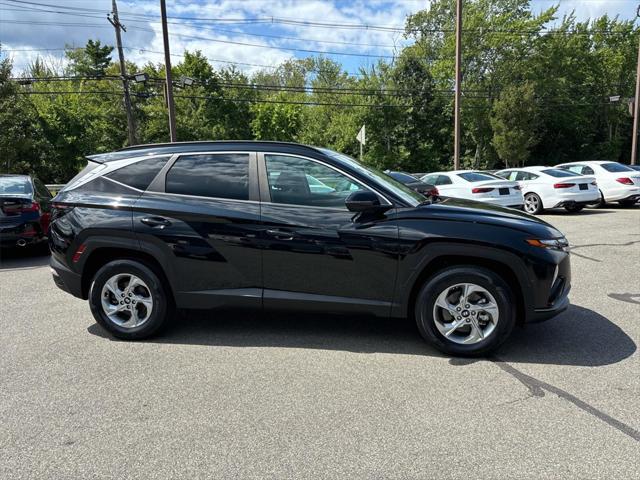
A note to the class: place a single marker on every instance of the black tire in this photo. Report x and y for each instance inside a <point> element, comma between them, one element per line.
<point>574,208</point>
<point>535,204</point>
<point>482,277</point>
<point>161,313</point>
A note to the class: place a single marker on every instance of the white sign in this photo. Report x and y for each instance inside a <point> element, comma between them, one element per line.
<point>361,137</point>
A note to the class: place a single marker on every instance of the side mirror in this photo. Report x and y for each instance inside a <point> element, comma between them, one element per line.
<point>364,201</point>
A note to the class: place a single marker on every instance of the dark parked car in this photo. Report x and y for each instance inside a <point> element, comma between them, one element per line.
<point>145,230</point>
<point>635,167</point>
<point>413,183</point>
<point>24,211</point>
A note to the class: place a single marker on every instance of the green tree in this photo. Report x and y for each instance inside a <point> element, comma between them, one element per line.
<point>513,120</point>
<point>90,61</point>
<point>276,121</point>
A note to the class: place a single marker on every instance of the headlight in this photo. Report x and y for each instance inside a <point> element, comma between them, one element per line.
<point>554,243</point>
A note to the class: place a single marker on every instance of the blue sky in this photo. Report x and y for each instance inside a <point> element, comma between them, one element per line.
<point>29,27</point>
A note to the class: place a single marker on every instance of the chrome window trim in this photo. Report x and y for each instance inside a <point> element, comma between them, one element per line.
<point>262,158</point>
<point>203,198</point>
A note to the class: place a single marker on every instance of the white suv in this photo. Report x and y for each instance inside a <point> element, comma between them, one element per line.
<point>617,182</point>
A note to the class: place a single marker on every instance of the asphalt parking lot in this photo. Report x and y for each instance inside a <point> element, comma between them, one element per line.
<point>233,395</point>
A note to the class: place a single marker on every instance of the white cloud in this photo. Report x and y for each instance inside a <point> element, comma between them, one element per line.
<point>143,34</point>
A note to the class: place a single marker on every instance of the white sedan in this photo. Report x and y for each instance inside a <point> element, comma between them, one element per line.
<point>548,187</point>
<point>616,182</point>
<point>480,186</point>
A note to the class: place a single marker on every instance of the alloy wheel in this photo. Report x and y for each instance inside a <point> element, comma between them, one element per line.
<point>466,313</point>
<point>126,300</point>
<point>531,203</point>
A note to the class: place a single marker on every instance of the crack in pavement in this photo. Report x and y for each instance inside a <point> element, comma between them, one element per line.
<point>537,388</point>
<point>625,297</point>
<point>626,244</point>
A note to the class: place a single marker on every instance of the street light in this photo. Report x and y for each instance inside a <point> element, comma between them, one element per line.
<point>140,77</point>
<point>187,81</point>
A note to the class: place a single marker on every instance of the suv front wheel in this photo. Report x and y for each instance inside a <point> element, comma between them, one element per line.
<point>465,311</point>
<point>128,299</point>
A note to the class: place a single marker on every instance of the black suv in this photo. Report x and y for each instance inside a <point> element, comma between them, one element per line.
<point>145,230</point>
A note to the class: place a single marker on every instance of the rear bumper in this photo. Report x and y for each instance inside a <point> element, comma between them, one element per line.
<point>618,194</point>
<point>630,198</point>
<point>20,235</point>
<point>574,203</point>
<point>65,279</point>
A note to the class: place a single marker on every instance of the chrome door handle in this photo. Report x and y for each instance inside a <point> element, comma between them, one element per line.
<point>280,234</point>
<point>156,221</point>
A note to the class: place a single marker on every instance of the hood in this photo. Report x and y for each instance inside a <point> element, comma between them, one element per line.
<point>462,210</point>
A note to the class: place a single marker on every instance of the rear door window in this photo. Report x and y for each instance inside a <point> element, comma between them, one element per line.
<point>219,175</point>
<point>443,180</point>
<point>139,174</point>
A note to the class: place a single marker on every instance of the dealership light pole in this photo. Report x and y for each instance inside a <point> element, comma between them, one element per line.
<point>456,122</point>
<point>167,67</point>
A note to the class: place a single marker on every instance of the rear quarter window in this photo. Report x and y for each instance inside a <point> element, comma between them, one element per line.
<point>616,167</point>
<point>139,174</point>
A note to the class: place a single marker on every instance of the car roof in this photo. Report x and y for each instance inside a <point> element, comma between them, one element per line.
<point>200,146</point>
<point>587,162</point>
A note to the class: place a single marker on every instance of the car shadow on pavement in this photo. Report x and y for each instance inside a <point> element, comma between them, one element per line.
<point>24,258</point>
<point>579,336</point>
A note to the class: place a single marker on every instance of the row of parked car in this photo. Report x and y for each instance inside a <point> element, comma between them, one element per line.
<point>571,186</point>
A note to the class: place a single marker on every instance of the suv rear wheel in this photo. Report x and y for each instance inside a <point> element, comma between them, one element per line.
<point>128,299</point>
<point>465,311</point>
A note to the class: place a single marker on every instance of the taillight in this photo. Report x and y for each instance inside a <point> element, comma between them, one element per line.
<point>434,191</point>
<point>481,190</point>
<point>34,207</point>
<point>564,185</point>
<point>624,180</point>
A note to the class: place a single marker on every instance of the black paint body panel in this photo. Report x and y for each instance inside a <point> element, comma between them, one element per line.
<point>220,252</point>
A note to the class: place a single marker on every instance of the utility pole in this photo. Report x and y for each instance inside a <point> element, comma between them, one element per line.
<point>636,110</point>
<point>167,67</point>
<point>456,124</point>
<point>115,21</point>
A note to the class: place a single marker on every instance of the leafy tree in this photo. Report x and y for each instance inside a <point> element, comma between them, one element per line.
<point>276,121</point>
<point>90,61</point>
<point>514,125</point>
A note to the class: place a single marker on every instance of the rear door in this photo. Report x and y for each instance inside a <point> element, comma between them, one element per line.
<point>200,217</point>
<point>316,253</point>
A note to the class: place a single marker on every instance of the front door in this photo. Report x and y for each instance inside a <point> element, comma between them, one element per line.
<point>317,255</point>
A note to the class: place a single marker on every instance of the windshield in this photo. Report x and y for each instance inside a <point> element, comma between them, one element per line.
<point>411,197</point>
<point>15,186</point>
<point>616,167</point>
<point>556,172</point>
<point>478,177</point>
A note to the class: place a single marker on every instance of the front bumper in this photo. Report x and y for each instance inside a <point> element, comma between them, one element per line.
<point>542,314</point>
<point>65,279</point>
